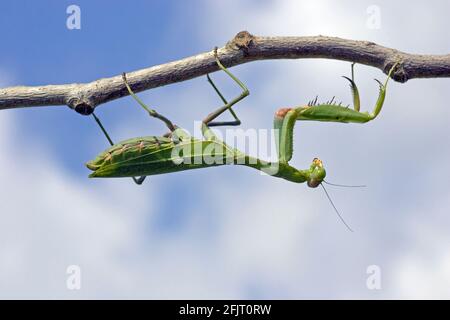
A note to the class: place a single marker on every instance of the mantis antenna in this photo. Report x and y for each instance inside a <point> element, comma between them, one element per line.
<point>335,209</point>
<point>344,185</point>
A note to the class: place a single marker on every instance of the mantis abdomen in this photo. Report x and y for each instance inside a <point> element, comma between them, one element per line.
<point>157,155</point>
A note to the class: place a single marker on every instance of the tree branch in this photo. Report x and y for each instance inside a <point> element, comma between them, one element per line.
<point>243,48</point>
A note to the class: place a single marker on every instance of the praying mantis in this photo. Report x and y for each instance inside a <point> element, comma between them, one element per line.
<point>178,151</point>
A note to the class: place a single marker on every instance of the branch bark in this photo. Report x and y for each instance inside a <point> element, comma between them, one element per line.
<point>243,48</point>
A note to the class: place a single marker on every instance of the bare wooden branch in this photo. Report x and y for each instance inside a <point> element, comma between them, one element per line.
<point>243,48</point>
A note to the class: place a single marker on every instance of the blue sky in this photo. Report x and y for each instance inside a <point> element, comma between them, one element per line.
<point>225,232</point>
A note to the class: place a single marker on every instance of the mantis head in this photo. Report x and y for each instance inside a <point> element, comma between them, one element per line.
<point>316,173</point>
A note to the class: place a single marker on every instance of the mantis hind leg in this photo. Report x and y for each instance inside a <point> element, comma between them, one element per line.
<point>208,121</point>
<point>139,180</point>
<point>150,111</point>
<point>174,132</point>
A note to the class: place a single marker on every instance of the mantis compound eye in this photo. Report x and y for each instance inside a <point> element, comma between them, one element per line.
<point>317,162</point>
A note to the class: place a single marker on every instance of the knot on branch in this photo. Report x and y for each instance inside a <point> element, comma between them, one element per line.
<point>399,74</point>
<point>82,107</point>
<point>242,41</point>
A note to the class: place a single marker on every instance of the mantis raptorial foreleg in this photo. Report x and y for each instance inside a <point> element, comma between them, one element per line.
<point>381,95</point>
<point>286,118</point>
<point>354,88</point>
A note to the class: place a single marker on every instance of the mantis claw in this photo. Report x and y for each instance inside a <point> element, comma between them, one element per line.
<point>381,84</point>
<point>355,92</point>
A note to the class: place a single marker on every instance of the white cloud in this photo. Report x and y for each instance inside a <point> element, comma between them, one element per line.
<point>50,220</point>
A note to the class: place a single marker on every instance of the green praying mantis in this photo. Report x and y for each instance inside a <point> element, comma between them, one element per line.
<point>178,151</point>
